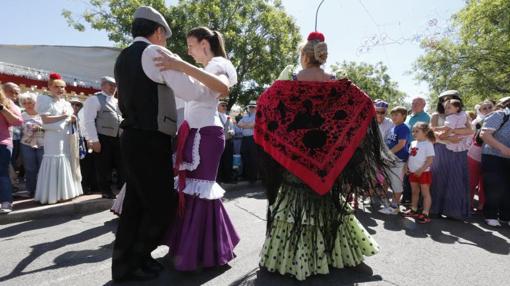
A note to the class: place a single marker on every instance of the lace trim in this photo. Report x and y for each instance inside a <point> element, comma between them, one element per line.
<point>195,154</point>
<point>204,189</point>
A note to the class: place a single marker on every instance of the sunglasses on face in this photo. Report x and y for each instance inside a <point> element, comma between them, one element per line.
<point>75,104</point>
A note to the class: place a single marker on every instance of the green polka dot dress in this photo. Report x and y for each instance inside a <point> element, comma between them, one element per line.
<point>308,234</point>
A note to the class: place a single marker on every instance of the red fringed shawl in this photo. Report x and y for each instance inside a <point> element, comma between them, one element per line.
<point>313,128</point>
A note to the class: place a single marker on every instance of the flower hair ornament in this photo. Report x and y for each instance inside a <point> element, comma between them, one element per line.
<point>55,76</point>
<point>316,36</point>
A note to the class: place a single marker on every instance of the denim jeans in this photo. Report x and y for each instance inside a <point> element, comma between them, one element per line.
<point>32,158</point>
<point>497,187</point>
<point>5,180</point>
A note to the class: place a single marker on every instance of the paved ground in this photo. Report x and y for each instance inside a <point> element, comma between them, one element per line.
<point>76,251</point>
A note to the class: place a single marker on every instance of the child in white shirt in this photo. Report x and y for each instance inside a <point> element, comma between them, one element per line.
<point>421,154</point>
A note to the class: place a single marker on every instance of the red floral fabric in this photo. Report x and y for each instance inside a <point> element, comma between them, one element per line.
<point>313,128</point>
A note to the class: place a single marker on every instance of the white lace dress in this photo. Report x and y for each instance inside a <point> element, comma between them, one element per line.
<point>56,181</point>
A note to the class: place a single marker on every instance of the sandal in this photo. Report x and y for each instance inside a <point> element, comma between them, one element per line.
<point>423,218</point>
<point>411,213</point>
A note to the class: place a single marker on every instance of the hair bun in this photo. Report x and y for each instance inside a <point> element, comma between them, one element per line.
<point>55,76</point>
<point>320,51</point>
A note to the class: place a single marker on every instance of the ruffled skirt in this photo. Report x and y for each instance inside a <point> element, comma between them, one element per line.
<point>204,235</point>
<point>119,201</point>
<point>308,236</point>
<point>56,181</point>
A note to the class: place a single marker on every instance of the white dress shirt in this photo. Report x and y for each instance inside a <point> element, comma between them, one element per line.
<point>90,109</point>
<point>81,124</point>
<point>200,102</point>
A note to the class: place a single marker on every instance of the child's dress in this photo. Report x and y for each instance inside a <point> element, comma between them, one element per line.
<point>454,121</point>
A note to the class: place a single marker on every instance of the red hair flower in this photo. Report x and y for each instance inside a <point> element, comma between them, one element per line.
<point>316,36</point>
<point>54,76</point>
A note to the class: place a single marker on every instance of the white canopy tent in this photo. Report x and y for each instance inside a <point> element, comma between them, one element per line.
<point>81,66</point>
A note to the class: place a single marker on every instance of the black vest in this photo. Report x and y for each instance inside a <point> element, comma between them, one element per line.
<point>144,104</point>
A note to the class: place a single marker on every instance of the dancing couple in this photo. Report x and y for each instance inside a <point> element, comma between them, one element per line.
<point>318,142</point>
<point>191,220</point>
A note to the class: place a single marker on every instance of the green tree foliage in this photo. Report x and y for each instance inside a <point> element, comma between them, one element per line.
<point>476,59</point>
<point>373,79</point>
<point>261,39</point>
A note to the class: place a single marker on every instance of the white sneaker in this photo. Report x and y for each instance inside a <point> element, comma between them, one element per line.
<point>389,211</point>
<point>5,208</point>
<point>492,222</point>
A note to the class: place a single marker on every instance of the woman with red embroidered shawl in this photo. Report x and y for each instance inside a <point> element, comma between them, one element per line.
<point>320,143</point>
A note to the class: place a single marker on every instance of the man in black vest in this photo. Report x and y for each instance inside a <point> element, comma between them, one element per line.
<point>102,118</point>
<point>149,123</point>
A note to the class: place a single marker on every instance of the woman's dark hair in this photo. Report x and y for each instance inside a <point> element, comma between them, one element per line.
<point>457,103</point>
<point>440,102</point>
<point>214,38</point>
<point>143,27</point>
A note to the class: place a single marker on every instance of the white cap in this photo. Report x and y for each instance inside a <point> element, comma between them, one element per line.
<point>108,79</point>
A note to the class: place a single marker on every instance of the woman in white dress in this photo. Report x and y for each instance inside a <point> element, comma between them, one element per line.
<point>55,181</point>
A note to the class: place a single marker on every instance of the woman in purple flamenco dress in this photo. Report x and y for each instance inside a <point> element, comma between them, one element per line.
<point>202,235</point>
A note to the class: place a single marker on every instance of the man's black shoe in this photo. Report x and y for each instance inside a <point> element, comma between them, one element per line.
<point>152,265</point>
<point>137,275</point>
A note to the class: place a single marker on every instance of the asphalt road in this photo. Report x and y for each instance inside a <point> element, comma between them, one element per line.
<point>77,251</point>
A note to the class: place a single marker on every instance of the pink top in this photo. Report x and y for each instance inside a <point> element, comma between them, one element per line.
<point>455,121</point>
<point>5,134</point>
<point>475,152</point>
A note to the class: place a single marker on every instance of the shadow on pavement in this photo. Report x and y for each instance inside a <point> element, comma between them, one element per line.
<point>16,229</point>
<point>245,190</point>
<point>347,276</point>
<point>181,278</point>
<point>443,230</point>
<point>70,258</point>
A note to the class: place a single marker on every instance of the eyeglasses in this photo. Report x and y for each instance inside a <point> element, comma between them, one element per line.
<point>485,108</point>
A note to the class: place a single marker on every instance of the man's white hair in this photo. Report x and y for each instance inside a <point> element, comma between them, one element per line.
<point>26,96</point>
<point>420,99</point>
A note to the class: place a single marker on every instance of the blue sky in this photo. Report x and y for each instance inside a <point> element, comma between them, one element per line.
<point>356,30</point>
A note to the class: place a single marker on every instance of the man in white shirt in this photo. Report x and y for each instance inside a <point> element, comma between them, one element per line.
<point>101,120</point>
<point>149,122</point>
<point>225,174</point>
<point>248,147</point>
